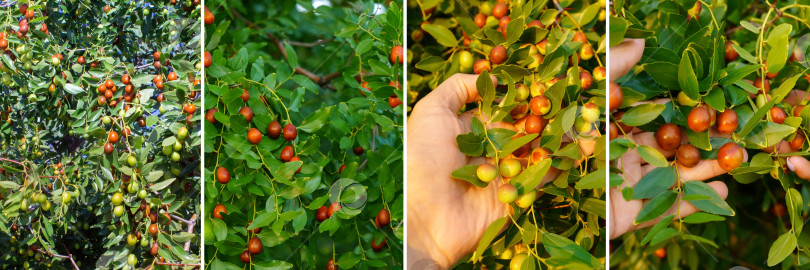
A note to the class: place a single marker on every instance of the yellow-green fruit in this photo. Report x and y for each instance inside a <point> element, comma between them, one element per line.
<point>517,261</point>
<point>182,133</point>
<point>46,206</point>
<point>486,172</point>
<point>465,61</point>
<point>117,198</point>
<point>118,211</point>
<point>66,198</point>
<point>507,254</point>
<point>132,240</point>
<point>527,199</point>
<point>175,156</point>
<point>510,168</point>
<point>177,146</point>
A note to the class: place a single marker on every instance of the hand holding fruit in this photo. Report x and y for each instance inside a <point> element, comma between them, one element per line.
<point>458,212</point>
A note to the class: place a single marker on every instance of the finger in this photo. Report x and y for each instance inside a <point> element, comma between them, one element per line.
<point>453,93</point>
<point>624,56</point>
<point>780,147</point>
<point>795,97</point>
<point>466,119</point>
<point>799,165</point>
<point>685,208</point>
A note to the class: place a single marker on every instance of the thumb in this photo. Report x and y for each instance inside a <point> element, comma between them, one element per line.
<point>454,93</point>
<point>799,165</point>
<point>624,56</point>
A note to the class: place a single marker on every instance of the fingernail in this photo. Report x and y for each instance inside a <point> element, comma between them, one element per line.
<point>790,165</point>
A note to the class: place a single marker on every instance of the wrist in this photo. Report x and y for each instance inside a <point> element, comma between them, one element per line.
<point>423,251</point>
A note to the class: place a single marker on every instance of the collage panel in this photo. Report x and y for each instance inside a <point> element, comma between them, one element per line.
<point>100,136</point>
<point>506,160</point>
<point>708,134</point>
<point>303,135</point>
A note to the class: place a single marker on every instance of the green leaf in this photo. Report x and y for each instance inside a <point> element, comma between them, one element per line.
<point>702,217</point>
<point>660,225</point>
<point>593,180</point>
<point>292,57</point>
<point>687,80</point>
<point>715,205</point>
<point>487,238</point>
<point>777,96</point>
<point>739,73</point>
<point>655,182</point>
<point>468,173</point>
<point>782,248</point>
<point>794,205</point>
<point>665,73</point>
<point>642,114</point>
<point>73,89</point>
<point>656,207</point>
<point>779,47</point>
<point>441,34</point>
<point>652,156</point>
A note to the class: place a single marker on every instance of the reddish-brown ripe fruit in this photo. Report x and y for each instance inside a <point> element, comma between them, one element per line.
<point>730,156</point>
<point>480,20</point>
<point>504,21</point>
<point>160,98</point>
<point>245,257</point>
<point>209,115</point>
<point>172,76</point>
<point>797,141</point>
<point>254,136</point>
<point>107,8</point>
<point>155,248</point>
<point>108,94</point>
<point>580,36</point>
<point>108,148</point>
<point>190,108</point>
<point>109,84</point>
<point>585,79</point>
<point>3,44</point>
<point>535,23</point>
<point>661,253</point>
<point>731,53</point>
<point>247,112</point>
<point>209,16</point>
<point>334,207</point>
<point>616,96</point>
<point>255,245</point>
<point>377,246</point>
<point>394,101</point>
<point>778,115</point>
<point>290,132</point>
<point>540,105</point>
<point>688,155</point>
<point>218,210</point>
<point>81,60</point>
<point>245,95</point>
<point>499,10</point>
<point>296,158</point>
<point>763,87</point>
<point>156,54</point>
<point>699,119</point>
<point>287,153</point>
<point>274,129</point>
<point>497,55</point>
<point>397,54</point>
<point>126,79</point>
<point>727,122</point>
<point>481,65</point>
<point>341,168</point>
<point>358,150</point>
<point>384,217</point>
<point>534,124</point>
<point>153,229</point>
<point>798,110</point>
<point>112,137</point>
<point>668,136</point>
<point>330,265</point>
<point>207,61</point>
<point>321,215</point>
<point>223,176</point>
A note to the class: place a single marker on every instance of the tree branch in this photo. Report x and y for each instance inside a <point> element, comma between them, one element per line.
<point>310,44</point>
<point>190,227</point>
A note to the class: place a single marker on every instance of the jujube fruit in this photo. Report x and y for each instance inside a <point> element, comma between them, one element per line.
<point>510,167</point>
<point>209,115</point>
<point>384,217</point>
<point>540,105</point>
<point>534,124</point>
<point>668,136</point>
<point>377,246</point>
<point>727,122</point>
<point>245,95</point>
<point>763,84</point>
<point>218,210</point>
<point>486,172</point>
<point>499,10</point>
<point>798,141</point>
<point>290,132</point>
<point>730,156</point>
<point>333,208</point>
<point>397,54</point>
<point>245,257</point>
<point>498,55</point>
<point>731,54</point>
<point>223,176</point>
<point>255,245</point>
<point>699,119</point>
<point>254,136</point>
<point>687,155</point>
<point>527,199</point>
<point>247,113</point>
<point>507,193</point>
<point>321,215</point>
<point>778,115</point>
<point>287,153</point>
<point>616,97</point>
<point>481,65</point>
<point>274,129</point>
<point>112,137</point>
<point>331,265</point>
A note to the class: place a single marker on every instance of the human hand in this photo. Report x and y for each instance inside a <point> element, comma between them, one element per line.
<point>447,217</point>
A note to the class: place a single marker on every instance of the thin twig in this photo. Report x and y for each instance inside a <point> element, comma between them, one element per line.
<point>310,44</point>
